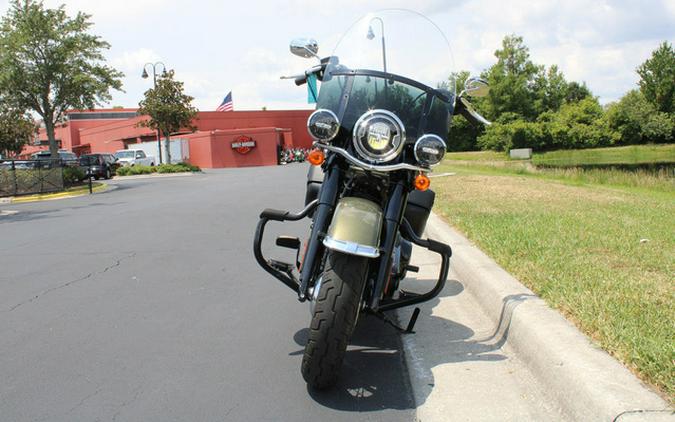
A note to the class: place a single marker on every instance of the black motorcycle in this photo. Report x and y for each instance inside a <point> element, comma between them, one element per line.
<point>378,128</point>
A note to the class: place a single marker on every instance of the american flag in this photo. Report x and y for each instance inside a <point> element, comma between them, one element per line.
<point>226,105</point>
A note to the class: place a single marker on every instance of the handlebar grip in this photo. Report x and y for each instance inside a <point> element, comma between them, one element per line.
<point>301,80</point>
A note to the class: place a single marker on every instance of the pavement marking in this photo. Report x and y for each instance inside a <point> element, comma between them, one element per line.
<point>4,213</point>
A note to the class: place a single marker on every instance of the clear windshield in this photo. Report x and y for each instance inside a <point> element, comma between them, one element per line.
<point>397,60</point>
<point>124,154</point>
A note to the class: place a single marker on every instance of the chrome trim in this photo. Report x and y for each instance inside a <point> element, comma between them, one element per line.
<point>367,166</point>
<point>350,247</point>
<point>429,135</point>
<point>394,120</point>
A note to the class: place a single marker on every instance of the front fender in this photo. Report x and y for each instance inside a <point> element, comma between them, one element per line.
<point>355,228</point>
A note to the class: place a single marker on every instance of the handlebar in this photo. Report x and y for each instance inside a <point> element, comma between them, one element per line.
<point>465,108</point>
<point>301,79</point>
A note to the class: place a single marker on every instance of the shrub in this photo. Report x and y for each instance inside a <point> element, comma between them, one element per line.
<point>72,175</point>
<point>176,168</point>
<point>162,168</point>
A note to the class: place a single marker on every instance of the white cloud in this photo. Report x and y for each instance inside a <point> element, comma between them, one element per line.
<point>215,47</point>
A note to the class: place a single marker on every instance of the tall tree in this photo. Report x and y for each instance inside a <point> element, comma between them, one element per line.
<point>49,63</point>
<point>169,109</point>
<point>511,80</point>
<point>16,129</point>
<point>657,78</point>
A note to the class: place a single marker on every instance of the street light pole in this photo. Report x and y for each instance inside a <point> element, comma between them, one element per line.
<point>144,75</point>
<point>371,35</point>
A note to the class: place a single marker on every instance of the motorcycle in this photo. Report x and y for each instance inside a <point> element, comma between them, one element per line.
<point>378,129</point>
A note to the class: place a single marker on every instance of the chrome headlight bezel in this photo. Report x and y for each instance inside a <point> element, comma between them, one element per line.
<point>419,145</point>
<point>396,135</point>
<point>329,119</point>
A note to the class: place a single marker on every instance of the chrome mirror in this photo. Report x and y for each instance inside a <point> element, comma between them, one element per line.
<point>476,87</point>
<point>305,47</point>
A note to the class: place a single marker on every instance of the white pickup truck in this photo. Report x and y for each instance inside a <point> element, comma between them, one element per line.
<point>134,157</point>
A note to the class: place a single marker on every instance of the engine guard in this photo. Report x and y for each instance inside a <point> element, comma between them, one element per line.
<point>280,270</point>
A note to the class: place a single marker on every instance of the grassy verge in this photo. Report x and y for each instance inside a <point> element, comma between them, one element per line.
<point>72,191</point>
<point>604,257</point>
<point>634,154</point>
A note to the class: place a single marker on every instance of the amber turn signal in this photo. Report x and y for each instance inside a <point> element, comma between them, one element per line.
<point>316,157</point>
<point>422,182</point>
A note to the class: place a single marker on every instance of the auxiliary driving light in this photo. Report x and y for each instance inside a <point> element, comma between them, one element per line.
<point>429,150</point>
<point>323,125</point>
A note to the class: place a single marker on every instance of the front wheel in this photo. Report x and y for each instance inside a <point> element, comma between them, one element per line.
<point>335,313</point>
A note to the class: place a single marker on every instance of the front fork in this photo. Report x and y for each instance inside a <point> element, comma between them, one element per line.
<point>323,209</point>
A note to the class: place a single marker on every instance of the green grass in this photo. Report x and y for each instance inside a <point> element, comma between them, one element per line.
<point>581,246</point>
<point>477,156</point>
<point>634,154</point>
<point>606,166</point>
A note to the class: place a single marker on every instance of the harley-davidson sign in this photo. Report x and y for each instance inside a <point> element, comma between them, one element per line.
<point>243,144</point>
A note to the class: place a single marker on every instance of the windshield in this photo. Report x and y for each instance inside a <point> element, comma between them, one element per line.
<point>396,60</point>
<point>89,160</point>
<point>124,154</point>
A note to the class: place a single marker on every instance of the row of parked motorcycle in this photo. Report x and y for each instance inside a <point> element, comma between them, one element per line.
<point>293,155</point>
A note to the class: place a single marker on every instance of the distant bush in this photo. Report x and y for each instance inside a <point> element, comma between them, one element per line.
<point>574,126</point>
<point>176,168</point>
<point>72,175</point>
<point>162,168</point>
<point>135,170</point>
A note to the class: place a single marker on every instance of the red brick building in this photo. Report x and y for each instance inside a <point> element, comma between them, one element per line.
<point>213,145</point>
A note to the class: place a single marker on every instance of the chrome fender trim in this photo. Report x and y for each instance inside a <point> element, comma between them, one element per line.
<point>355,228</point>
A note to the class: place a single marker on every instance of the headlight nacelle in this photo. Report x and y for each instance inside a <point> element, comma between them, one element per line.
<point>429,150</point>
<point>379,136</point>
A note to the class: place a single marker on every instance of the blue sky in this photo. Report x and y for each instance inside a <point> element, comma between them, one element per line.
<point>218,46</point>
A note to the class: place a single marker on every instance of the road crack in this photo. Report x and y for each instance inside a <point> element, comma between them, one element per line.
<point>71,282</point>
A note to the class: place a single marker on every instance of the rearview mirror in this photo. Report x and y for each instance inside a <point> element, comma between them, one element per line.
<point>476,87</point>
<point>305,47</point>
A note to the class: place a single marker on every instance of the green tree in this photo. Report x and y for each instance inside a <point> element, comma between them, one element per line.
<point>16,129</point>
<point>550,89</point>
<point>50,63</point>
<point>577,125</point>
<point>657,78</point>
<point>637,121</point>
<point>511,80</point>
<point>576,92</point>
<point>169,109</point>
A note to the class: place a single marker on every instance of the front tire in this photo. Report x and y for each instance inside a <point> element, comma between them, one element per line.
<point>335,313</point>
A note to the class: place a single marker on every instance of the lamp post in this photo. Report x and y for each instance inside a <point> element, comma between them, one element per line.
<point>145,75</point>
<point>371,35</point>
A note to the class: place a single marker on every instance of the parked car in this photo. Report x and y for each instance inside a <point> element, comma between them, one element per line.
<point>99,165</point>
<point>132,157</point>
<point>67,158</point>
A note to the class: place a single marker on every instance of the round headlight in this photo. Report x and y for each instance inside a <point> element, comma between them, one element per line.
<point>379,136</point>
<point>323,125</point>
<point>429,150</point>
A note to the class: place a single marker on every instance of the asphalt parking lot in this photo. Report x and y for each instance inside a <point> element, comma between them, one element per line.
<point>145,303</point>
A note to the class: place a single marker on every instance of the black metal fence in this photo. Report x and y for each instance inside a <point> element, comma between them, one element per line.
<point>25,177</point>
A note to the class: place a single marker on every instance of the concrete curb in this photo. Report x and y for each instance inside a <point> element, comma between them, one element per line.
<point>587,382</point>
<point>54,196</point>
